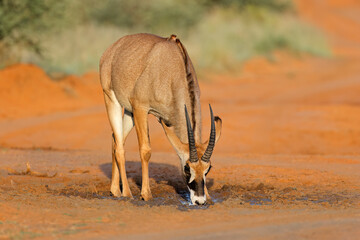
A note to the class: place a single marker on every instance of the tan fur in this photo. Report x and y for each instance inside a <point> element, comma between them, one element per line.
<point>141,74</point>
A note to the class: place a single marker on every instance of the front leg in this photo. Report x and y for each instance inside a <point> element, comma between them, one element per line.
<point>142,130</point>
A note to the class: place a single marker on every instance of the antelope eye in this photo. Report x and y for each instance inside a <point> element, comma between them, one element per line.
<point>208,170</point>
<point>187,169</point>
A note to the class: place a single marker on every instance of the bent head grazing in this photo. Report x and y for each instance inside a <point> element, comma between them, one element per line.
<point>142,74</point>
<point>198,165</point>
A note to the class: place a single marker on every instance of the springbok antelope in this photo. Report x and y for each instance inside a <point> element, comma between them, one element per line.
<point>142,74</point>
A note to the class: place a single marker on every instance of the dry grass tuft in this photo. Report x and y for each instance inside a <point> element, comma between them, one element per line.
<point>30,172</point>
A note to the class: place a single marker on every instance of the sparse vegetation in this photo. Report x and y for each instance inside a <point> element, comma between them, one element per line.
<point>225,38</point>
<point>70,36</point>
<point>23,23</point>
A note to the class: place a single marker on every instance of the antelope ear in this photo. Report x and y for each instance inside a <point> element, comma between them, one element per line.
<point>218,127</point>
<point>180,147</point>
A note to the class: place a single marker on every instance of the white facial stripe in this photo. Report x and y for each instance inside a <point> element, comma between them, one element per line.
<point>183,157</point>
<point>192,172</point>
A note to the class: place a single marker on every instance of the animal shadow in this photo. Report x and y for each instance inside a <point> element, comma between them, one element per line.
<point>160,173</point>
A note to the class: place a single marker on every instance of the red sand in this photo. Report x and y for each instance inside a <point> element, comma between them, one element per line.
<point>286,167</point>
<point>24,88</point>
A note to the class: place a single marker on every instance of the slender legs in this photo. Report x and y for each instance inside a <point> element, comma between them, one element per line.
<point>142,130</point>
<point>115,187</point>
<point>121,126</point>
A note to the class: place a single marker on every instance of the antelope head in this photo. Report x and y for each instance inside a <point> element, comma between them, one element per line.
<point>195,157</point>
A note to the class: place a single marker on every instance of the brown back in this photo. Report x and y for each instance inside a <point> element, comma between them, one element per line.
<point>147,71</point>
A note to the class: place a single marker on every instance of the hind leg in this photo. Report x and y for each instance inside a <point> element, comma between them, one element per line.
<point>115,177</point>
<point>128,124</point>
<point>114,111</point>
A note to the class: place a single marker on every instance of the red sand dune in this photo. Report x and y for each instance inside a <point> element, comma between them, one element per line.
<point>26,90</point>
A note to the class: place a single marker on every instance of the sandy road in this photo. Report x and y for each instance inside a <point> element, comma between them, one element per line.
<point>265,189</point>
<point>262,196</point>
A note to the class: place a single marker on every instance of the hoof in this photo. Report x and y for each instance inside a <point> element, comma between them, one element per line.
<point>146,197</point>
<point>127,193</point>
<point>115,193</point>
<point>128,196</point>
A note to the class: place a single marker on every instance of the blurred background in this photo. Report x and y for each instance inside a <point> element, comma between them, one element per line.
<point>70,36</point>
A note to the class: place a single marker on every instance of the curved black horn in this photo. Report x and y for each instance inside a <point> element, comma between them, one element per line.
<point>211,145</point>
<point>192,149</point>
